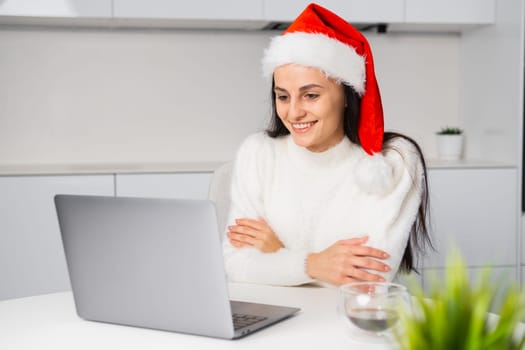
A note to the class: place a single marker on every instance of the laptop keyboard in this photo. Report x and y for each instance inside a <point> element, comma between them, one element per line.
<point>243,320</point>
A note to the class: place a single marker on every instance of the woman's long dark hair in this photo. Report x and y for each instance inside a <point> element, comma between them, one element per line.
<point>419,236</point>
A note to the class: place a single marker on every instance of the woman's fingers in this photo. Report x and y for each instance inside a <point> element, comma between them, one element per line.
<point>259,225</point>
<point>256,233</point>
<point>361,250</point>
<point>363,275</point>
<point>241,238</point>
<point>369,264</point>
<point>243,230</point>
<point>348,260</point>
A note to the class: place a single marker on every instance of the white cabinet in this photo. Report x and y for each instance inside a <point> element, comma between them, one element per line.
<point>31,255</point>
<point>181,185</point>
<point>502,278</point>
<point>196,9</point>
<point>56,8</point>
<point>451,11</point>
<point>248,13</point>
<point>475,210</point>
<point>368,11</point>
<point>392,11</point>
<point>505,275</point>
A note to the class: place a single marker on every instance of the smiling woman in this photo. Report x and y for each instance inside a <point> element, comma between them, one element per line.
<point>310,105</point>
<point>325,194</point>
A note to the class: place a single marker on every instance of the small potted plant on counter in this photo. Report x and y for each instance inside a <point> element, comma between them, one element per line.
<point>450,143</point>
<point>456,314</point>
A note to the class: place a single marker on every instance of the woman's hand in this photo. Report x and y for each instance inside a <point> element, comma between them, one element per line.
<point>347,261</point>
<point>254,233</point>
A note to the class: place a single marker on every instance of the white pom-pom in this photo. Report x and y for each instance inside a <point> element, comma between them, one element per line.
<point>374,174</point>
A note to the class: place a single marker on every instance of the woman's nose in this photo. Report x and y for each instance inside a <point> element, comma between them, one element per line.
<point>296,110</point>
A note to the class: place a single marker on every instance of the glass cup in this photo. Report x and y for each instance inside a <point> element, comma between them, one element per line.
<point>374,307</point>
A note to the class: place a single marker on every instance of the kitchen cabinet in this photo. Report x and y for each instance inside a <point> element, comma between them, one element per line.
<point>472,210</point>
<point>475,211</point>
<point>370,11</point>
<point>498,138</point>
<point>450,11</point>
<point>472,206</point>
<point>56,8</point>
<point>181,185</point>
<point>501,278</point>
<point>31,255</point>
<point>241,14</point>
<point>189,10</point>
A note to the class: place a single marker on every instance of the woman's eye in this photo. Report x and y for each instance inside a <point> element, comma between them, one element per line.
<point>282,97</point>
<point>311,96</point>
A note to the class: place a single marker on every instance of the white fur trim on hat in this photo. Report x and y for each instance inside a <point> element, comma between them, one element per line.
<point>335,58</point>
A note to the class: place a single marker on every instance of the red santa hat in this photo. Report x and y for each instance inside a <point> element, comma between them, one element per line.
<point>321,39</point>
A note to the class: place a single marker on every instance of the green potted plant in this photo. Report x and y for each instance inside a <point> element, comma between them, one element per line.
<point>456,315</point>
<point>450,143</point>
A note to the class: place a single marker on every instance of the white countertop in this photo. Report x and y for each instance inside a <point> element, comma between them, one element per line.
<point>107,168</point>
<point>466,163</point>
<point>50,322</point>
<point>186,167</point>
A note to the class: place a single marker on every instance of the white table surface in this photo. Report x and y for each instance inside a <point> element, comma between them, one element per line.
<point>50,322</point>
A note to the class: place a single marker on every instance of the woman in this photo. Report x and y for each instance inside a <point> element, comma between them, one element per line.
<point>324,195</point>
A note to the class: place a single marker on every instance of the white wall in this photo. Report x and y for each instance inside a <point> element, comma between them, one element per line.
<point>420,83</point>
<point>96,96</point>
<point>492,77</point>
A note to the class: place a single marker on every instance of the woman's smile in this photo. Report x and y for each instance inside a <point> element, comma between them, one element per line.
<point>303,127</point>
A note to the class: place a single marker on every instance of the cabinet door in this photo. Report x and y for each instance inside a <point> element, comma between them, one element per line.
<point>56,8</point>
<point>502,278</point>
<point>364,11</point>
<point>523,246</point>
<point>32,259</point>
<point>476,211</point>
<point>196,9</point>
<point>451,11</point>
<point>182,185</point>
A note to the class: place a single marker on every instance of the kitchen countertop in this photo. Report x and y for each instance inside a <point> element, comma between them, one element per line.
<point>185,167</point>
<point>466,163</point>
<point>107,168</point>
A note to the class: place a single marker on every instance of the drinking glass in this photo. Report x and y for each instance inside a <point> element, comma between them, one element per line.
<point>374,307</point>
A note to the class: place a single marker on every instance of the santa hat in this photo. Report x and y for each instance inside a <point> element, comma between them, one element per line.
<point>321,39</point>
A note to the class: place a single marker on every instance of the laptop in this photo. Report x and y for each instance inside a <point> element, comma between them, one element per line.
<point>154,263</point>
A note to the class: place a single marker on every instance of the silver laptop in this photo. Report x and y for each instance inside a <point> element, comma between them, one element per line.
<point>153,263</point>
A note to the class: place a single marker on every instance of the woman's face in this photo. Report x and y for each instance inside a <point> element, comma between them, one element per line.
<point>310,105</point>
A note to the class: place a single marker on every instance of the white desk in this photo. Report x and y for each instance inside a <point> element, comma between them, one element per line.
<point>50,322</point>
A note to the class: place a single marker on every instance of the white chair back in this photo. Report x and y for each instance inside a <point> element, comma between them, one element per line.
<point>219,193</point>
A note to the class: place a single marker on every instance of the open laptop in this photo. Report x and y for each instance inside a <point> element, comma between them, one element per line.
<point>153,263</point>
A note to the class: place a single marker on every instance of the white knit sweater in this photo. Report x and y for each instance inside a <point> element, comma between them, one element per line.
<point>311,200</point>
